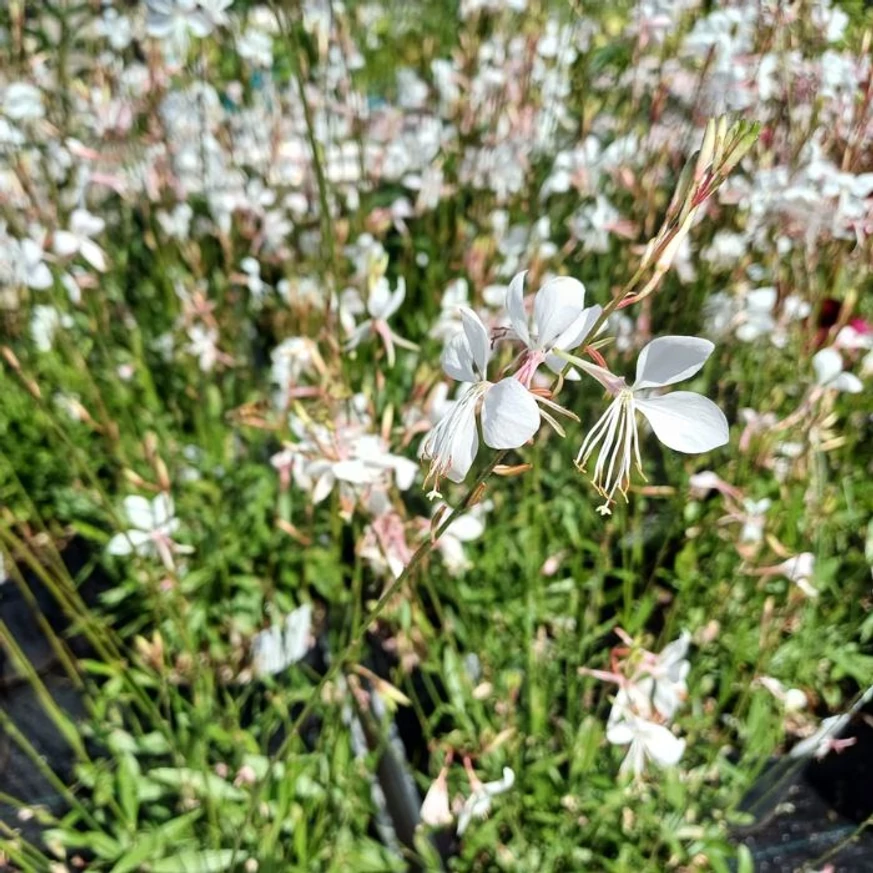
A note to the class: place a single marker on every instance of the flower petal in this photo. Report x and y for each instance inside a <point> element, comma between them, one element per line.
<point>464,444</point>
<point>685,421</point>
<point>162,509</point>
<point>510,415</point>
<point>120,545</point>
<point>662,746</point>
<point>578,330</point>
<point>397,298</point>
<point>847,382</point>
<point>457,359</point>
<point>138,510</point>
<point>557,305</point>
<point>670,359</point>
<point>477,339</point>
<point>827,364</point>
<point>65,243</point>
<point>515,307</point>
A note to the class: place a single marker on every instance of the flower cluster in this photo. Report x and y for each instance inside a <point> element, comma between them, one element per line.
<point>651,688</point>
<point>511,411</point>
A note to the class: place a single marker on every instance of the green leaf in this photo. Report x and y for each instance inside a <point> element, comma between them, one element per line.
<point>128,776</point>
<point>201,784</point>
<point>205,861</point>
<point>153,843</point>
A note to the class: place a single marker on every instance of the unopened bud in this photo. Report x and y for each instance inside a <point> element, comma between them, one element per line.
<point>435,810</point>
<point>507,470</point>
<point>747,136</point>
<point>682,194</point>
<point>666,257</point>
<point>707,150</point>
<point>720,141</point>
<point>162,474</point>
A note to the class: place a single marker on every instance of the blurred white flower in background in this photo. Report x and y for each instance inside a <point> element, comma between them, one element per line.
<point>285,642</point>
<point>829,373</point>
<point>77,239</point>
<point>478,804</point>
<point>153,523</point>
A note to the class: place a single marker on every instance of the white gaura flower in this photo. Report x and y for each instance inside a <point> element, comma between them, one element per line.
<point>682,420</point>
<point>283,643</point>
<point>648,740</point>
<point>478,804</point>
<point>829,373</point>
<point>560,321</point>
<point>174,21</point>
<point>510,415</point>
<point>22,102</point>
<point>77,239</point>
<point>382,303</point>
<point>153,522</point>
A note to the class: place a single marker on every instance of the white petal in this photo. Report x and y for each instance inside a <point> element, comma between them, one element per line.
<point>510,415</point>
<point>501,785</point>
<point>685,421</point>
<point>670,359</point>
<point>464,444</point>
<point>662,746</point>
<point>297,629</point>
<point>827,364</point>
<point>323,486</point>
<point>139,541</point>
<point>379,299</point>
<point>397,298</point>
<point>138,510</point>
<point>93,254</point>
<point>477,338</point>
<point>65,243</point>
<point>355,471</point>
<point>619,733</point>
<point>39,277</point>
<point>847,382</point>
<point>83,223</point>
<point>267,651</point>
<point>466,528</point>
<point>557,305</point>
<point>405,471</point>
<point>578,330</point>
<point>457,359</point>
<point>515,307</point>
<point>761,300</point>
<point>120,545</point>
<point>162,509</point>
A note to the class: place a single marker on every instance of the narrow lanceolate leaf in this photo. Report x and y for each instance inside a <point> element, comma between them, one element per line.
<point>205,861</point>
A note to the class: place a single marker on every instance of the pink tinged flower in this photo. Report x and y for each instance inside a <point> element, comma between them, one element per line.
<point>829,373</point>
<point>560,321</point>
<point>478,804</point>
<point>510,415</point>
<point>153,522</point>
<point>435,810</point>
<point>682,420</point>
<point>77,239</point>
<point>381,305</point>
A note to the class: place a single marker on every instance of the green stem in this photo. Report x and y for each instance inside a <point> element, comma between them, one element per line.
<point>357,637</point>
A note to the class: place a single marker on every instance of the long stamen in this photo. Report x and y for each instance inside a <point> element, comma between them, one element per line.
<point>616,435</point>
